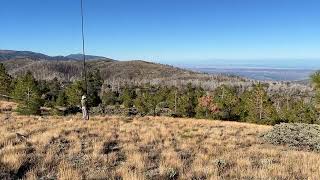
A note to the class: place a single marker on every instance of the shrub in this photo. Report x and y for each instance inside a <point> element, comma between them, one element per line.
<point>295,135</point>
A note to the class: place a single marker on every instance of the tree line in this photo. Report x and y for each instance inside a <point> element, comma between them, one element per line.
<point>254,104</point>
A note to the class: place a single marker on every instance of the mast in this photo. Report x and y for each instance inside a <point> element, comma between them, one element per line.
<point>84,71</point>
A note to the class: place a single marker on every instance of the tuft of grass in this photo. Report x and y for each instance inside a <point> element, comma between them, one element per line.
<point>13,157</point>
<point>31,175</point>
<point>66,172</point>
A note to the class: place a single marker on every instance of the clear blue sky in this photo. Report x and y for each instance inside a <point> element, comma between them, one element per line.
<point>165,30</point>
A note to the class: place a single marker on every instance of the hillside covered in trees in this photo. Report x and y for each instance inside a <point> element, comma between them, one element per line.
<point>136,72</point>
<point>142,88</point>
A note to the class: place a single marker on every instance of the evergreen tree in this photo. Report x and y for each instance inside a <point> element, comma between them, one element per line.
<point>128,96</point>
<point>306,113</point>
<point>62,99</point>
<point>299,112</point>
<point>77,89</point>
<point>256,106</point>
<point>94,88</point>
<point>163,94</point>
<point>54,89</point>
<point>189,100</point>
<point>149,99</point>
<point>315,79</point>
<point>5,81</point>
<point>110,98</point>
<point>50,91</point>
<point>153,98</point>
<point>227,101</point>
<point>172,98</point>
<point>141,103</point>
<point>43,87</point>
<point>74,93</point>
<point>26,92</point>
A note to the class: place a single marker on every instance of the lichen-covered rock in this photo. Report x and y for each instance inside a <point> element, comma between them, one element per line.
<point>296,135</point>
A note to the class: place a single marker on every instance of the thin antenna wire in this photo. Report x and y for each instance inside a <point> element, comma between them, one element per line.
<point>83,50</point>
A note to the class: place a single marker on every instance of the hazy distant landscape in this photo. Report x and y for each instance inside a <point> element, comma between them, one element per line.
<point>277,70</point>
<point>262,73</point>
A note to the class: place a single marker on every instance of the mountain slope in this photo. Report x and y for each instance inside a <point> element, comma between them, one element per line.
<point>120,72</point>
<point>135,72</point>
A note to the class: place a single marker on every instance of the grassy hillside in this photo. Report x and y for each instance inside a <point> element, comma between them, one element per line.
<point>144,148</point>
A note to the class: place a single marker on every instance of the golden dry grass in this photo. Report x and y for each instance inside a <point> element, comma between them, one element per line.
<point>144,148</point>
<point>7,106</point>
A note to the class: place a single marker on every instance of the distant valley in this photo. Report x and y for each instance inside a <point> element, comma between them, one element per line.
<point>266,69</point>
<point>280,74</point>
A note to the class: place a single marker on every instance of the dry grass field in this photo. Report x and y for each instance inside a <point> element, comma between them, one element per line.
<point>144,148</point>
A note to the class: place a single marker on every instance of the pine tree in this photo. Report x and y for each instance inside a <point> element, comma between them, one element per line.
<point>300,112</point>
<point>257,107</point>
<point>50,91</point>
<point>110,98</point>
<point>27,94</point>
<point>189,100</point>
<point>141,103</point>
<point>74,93</point>
<point>172,99</point>
<point>128,97</point>
<point>62,99</point>
<point>5,81</point>
<point>227,101</point>
<point>77,89</point>
<point>153,98</point>
<point>315,79</point>
<point>94,88</point>
<point>54,89</point>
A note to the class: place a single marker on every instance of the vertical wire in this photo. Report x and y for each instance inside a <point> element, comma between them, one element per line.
<point>83,50</point>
